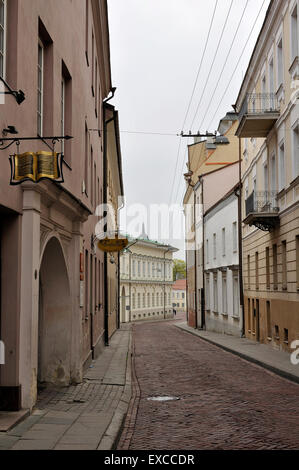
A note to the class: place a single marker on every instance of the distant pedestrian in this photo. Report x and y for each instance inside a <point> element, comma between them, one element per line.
<point>174,311</point>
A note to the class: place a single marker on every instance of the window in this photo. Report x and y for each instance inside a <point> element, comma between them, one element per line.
<point>248,271</point>
<point>134,267</point>
<point>153,299</point>
<point>249,316</point>
<point>271,82</point>
<point>86,31</point>
<point>215,294</point>
<point>62,112</point>
<point>269,332</point>
<point>143,300</point>
<point>2,37</point>
<point>138,268</point>
<point>148,300</point>
<point>40,88</point>
<point>284,264</point>
<point>236,296</point>
<point>158,301</point>
<point>223,241</point>
<point>235,239</point>
<point>143,268</point>
<point>266,188</point>
<point>224,294</point>
<point>279,63</point>
<point>275,266</point>
<point>153,269</point>
<point>267,268</point>
<point>208,292</point>
<point>295,150</point>
<point>138,300</point>
<point>297,261</point>
<point>214,245</point>
<point>183,295</point>
<point>294,34</point>
<point>281,179</point>
<point>207,251</point>
<point>273,173</point>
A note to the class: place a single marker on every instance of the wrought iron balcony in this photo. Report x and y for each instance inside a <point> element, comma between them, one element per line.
<point>261,210</point>
<point>258,114</point>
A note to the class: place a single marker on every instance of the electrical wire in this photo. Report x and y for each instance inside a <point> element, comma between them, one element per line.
<point>192,94</point>
<point>213,62</point>
<point>234,71</point>
<point>224,65</point>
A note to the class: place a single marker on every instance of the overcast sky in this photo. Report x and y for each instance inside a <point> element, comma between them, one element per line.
<point>156,49</point>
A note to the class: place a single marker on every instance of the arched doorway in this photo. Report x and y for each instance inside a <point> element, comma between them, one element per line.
<point>123,305</point>
<point>54,326</point>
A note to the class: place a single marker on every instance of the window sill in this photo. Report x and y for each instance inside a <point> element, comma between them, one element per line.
<point>286,342</point>
<point>269,338</point>
<point>277,338</point>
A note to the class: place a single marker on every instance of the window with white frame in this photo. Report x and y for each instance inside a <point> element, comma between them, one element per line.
<point>208,292</point>
<point>294,33</point>
<point>279,51</point>
<point>143,268</point>
<point>266,186</point>
<point>2,37</point>
<point>223,241</point>
<point>281,174</point>
<point>273,172</point>
<point>214,245</point>
<point>138,268</point>
<point>134,267</point>
<point>271,81</point>
<point>295,149</point>
<point>207,250</point>
<point>224,293</point>
<point>138,300</point>
<point>40,88</point>
<point>215,293</point>
<point>235,238</point>
<point>133,302</point>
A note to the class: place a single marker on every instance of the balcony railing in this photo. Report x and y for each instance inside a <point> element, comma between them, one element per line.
<point>258,113</point>
<point>262,210</point>
<point>257,103</point>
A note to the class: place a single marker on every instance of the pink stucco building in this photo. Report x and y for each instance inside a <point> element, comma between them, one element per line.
<point>52,278</point>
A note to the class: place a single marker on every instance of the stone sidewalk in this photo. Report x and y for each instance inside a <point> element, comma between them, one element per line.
<point>276,361</point>
<point>87,416</point>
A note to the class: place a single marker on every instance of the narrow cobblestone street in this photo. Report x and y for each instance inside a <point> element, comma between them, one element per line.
<point>224,402</point>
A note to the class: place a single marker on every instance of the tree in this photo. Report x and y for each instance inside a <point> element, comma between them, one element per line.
<point>179,269</point>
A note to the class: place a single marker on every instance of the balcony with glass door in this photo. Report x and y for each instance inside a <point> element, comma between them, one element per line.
<point>258,114</point>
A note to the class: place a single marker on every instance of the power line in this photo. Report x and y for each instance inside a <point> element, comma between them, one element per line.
<point>191,97</point>
<point>225,63</point>
<point>237,63</point>
<point>212,65</point>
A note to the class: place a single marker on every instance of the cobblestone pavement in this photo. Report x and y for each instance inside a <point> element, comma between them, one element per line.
<point>85,416</point>
<point>224,401</point>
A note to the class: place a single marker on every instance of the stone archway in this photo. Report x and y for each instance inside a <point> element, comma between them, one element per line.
<point>54,326</point>
<point>123,305</point>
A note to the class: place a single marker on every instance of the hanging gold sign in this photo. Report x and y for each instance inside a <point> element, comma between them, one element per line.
<point>112,244</point>
<point>35,166</point>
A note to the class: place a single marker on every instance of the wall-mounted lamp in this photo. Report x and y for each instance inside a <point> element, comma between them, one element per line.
<point>19,95</point>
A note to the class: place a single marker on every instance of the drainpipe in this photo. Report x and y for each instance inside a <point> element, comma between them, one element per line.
<point>106,300</point>
<point>203,306</point>
<point>195,260</point>
<point>240,242</point>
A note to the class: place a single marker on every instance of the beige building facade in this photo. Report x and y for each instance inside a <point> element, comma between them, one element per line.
<point>179,301</point>
<point>146,279</point>
<point>269,128</point>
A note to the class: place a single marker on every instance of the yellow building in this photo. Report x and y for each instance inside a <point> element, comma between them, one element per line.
<point>146,280</point>
<point>269,128</point>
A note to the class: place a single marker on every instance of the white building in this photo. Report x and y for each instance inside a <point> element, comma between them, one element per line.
<point>146,278</point>
<point>222,289</point>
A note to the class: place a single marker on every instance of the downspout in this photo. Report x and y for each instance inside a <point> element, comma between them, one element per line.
<point>240,243</point>
<point>195,260</point>
<point>106,322</point>
<point>203,306</point>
